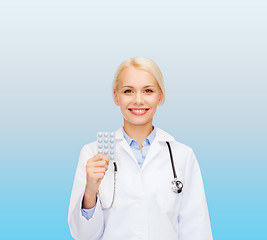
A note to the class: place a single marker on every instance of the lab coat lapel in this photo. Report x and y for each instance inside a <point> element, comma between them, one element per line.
<point>120,140</point>
<point>154,149</point>
<point>123,143</point>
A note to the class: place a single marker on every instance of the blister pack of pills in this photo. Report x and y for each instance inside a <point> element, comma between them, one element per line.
<point>106,144</point>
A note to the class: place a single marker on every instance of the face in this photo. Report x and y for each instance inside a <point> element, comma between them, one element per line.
<point>138,95</point>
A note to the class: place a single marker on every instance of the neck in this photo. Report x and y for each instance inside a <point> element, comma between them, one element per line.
<point>138,132</point>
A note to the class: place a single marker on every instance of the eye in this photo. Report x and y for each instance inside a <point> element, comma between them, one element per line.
<point>148,91</point>
<point>128,91</point>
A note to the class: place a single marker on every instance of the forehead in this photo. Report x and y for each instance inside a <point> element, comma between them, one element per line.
<point>132,76</point>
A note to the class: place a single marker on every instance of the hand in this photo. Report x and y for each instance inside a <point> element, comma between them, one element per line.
<point>96,168</point>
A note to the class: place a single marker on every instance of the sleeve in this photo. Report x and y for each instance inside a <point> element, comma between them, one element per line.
<point>88,213</point>
<point>80,227</point>
<point>193,220</point>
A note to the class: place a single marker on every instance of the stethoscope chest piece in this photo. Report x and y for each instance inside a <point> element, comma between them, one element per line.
<point>177,186</point>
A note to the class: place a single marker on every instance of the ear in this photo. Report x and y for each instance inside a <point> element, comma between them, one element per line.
<point>160,98</point>
<point>115,97</point>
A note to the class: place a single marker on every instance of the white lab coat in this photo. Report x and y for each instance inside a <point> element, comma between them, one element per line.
<point>145,207</point>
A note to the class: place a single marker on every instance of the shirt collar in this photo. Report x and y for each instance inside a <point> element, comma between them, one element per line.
<point>160,135</point>
<point>148,140</point>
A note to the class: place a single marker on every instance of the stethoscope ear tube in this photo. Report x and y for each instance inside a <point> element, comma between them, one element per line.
<point>177,185</point>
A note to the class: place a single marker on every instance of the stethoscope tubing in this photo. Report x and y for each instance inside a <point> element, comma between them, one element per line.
<point>173,167</point>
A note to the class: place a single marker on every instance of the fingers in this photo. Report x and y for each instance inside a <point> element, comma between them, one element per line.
<point>97,164</point>
<point>101,163</point>
<point>99,169</point>
<point>99,157</point>
<point>95,174</point>
<point>98,161</point>
<point>99,176</point>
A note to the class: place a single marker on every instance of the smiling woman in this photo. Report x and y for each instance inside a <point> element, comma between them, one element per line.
<point>149,202</point>
<point>138,94</point>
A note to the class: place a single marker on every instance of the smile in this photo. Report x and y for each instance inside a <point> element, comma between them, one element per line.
<point>138,111</point>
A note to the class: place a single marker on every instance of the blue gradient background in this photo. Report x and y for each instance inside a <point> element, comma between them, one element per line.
<point>57,62</point>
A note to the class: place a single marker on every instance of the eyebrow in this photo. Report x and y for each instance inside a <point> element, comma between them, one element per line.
<point>148,86</point>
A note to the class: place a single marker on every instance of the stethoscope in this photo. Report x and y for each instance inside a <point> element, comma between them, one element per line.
<point>177,186</point>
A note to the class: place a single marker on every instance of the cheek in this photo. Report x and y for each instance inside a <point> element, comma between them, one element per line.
<point>154,101</point>
<point>123,101</point>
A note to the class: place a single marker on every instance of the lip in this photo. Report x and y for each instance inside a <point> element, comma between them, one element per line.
<point>138,111</point>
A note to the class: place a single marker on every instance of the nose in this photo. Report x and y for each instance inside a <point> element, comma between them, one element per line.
<point>138,98</point>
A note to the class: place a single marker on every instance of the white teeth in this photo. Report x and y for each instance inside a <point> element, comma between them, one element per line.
<point>138,111</point>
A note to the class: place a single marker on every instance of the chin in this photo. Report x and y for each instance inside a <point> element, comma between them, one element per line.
<point>138,123</point>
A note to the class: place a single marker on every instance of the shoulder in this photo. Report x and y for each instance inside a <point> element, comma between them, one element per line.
<point>183,155</point>
<point>163,136</point>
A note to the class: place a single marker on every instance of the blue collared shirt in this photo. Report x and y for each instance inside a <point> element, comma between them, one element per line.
<point>139,155</point>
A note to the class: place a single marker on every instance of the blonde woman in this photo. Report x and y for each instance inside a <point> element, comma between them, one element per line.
<point>154,191</point>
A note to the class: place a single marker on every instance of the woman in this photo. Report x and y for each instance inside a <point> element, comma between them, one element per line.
<point>144,203</point>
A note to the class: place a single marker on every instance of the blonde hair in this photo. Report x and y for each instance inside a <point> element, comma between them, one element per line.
<point>141,63</point>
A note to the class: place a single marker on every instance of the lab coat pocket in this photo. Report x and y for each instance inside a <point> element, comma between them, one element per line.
<point>168,200</point>
<point>106,188</point>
